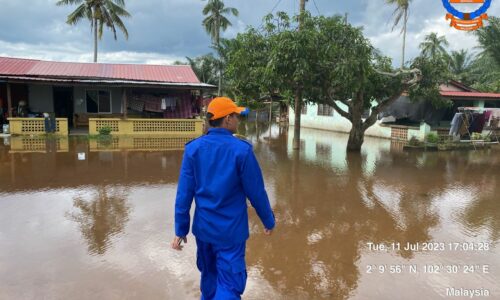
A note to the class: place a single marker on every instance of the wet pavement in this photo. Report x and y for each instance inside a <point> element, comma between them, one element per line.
<point>93,219</point>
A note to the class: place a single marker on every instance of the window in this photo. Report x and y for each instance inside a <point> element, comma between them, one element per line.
<point>304,109</point>
<point>98,101</point>
<point>325,110</point>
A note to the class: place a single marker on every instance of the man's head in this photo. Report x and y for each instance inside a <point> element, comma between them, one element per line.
<point>223,112</point>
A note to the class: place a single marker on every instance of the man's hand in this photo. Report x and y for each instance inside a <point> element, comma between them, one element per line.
<point>176,244</point>
<point>268,231</point>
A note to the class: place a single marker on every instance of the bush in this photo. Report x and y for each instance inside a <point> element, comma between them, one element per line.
<point>432,138</point>
<point>104,130</point>
<point>476,136</point>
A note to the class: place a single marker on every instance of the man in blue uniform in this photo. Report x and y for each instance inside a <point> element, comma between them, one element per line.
<point>220,172</point>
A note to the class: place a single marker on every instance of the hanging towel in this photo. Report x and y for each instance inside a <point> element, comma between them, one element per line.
<point>163,103</point>
<point>456,124</point>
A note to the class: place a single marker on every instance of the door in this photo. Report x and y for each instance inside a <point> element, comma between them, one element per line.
<point>63,103</point>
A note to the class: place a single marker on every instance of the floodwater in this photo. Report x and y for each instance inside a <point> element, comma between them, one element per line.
<point>92,219</point>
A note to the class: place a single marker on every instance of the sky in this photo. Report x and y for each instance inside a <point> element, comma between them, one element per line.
<point>163,31</point>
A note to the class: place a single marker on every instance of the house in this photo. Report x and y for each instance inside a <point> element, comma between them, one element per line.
<point>80,92</point>
<point>403,119</point>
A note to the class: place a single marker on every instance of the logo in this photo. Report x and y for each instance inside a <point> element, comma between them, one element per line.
<point>467,21</point>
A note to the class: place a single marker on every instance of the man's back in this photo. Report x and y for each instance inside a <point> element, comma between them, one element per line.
<point>221,172</point>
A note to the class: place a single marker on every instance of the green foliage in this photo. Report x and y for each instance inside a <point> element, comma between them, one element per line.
<point>484,73</point>
<point>215,19</point>
<point>205,67</point>
<point>479,137</point>
<point>434,45</point>
<point>434,73</point>
<point>325,61</point>
<point>489,39</point>
<point>106,12</point>
<point>105,130</point>
<point>401,10</point>
<point>432,138</point>
<point>100,14</point>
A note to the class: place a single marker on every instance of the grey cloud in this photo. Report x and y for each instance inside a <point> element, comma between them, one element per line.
<point>162,30</point>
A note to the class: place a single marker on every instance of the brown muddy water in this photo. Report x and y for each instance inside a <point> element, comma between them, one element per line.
<point>84,219</point>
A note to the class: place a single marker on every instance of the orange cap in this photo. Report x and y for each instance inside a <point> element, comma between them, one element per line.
<point>223,106</point>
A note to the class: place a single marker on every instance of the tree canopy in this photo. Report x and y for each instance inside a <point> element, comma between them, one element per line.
<point>332,62</point>
<point>100,14</point>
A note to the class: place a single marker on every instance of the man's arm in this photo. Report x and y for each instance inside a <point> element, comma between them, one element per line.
<point>253,184</point>
<point>184,198</point>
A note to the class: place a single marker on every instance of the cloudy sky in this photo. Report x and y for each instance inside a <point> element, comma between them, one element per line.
<point>162,31</point>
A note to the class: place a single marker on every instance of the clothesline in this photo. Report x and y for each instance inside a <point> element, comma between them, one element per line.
<point>473,119</point>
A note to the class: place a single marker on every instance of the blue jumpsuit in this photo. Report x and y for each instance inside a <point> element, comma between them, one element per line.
<point>220,172</point>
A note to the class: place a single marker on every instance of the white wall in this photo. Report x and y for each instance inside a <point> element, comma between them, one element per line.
<point>373,149</point>
<point>335,122</point>
<point>41,98</point>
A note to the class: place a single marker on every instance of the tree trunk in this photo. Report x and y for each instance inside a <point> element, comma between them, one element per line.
<point>357,134</point>
<point>95,40</point>
<point>296,125</point>
<point>356,137</point>
<point>404,38</point>
<point>217,40</point>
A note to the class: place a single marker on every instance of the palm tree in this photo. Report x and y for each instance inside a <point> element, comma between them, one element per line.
<point>401,13</point>
<point>100,13</point>
<point>489,39</point>
<point>216,21</point>
<point>434,45</point>
<point>205,68</point>
<point>460,61</point>
<point>460,64</point>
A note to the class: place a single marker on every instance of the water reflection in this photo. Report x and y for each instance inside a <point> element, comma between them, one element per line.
<point>37,144</point>
<point>138,143</point>
<point>83,165</point>
<point>101,217</point>
<point>329,204</point>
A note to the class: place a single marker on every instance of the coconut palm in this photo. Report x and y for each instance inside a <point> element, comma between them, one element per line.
<point>100,13</point>
<point>216,21</point>
<point>401,14</point>
<point>489,39</point>
<point>205,68</point>
<point>460,61</point>
<point>434,45</point>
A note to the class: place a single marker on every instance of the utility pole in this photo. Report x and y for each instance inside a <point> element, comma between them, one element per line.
<point>298,91</point>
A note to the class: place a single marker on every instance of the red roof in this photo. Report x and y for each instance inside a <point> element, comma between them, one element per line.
<point>488,96</point>
<point>49,69</point>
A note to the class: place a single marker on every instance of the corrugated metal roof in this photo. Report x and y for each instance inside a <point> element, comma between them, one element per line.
<point>39,68</point>
<point>490,96</point>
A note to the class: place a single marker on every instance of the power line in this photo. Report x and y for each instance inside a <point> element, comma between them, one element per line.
<point>275,6</point>
<point>261,26</point>
<point>314,1</point>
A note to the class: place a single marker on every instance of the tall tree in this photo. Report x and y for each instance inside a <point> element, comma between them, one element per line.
<point>332,63</point>
<point>434,45</point>
<point>216,21</point>
<point>459,65</point>
<point>100,13</point>
<point>460,61</point>
<point>205,67</point>
<point>401,14</point>
<point>489,39</point>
